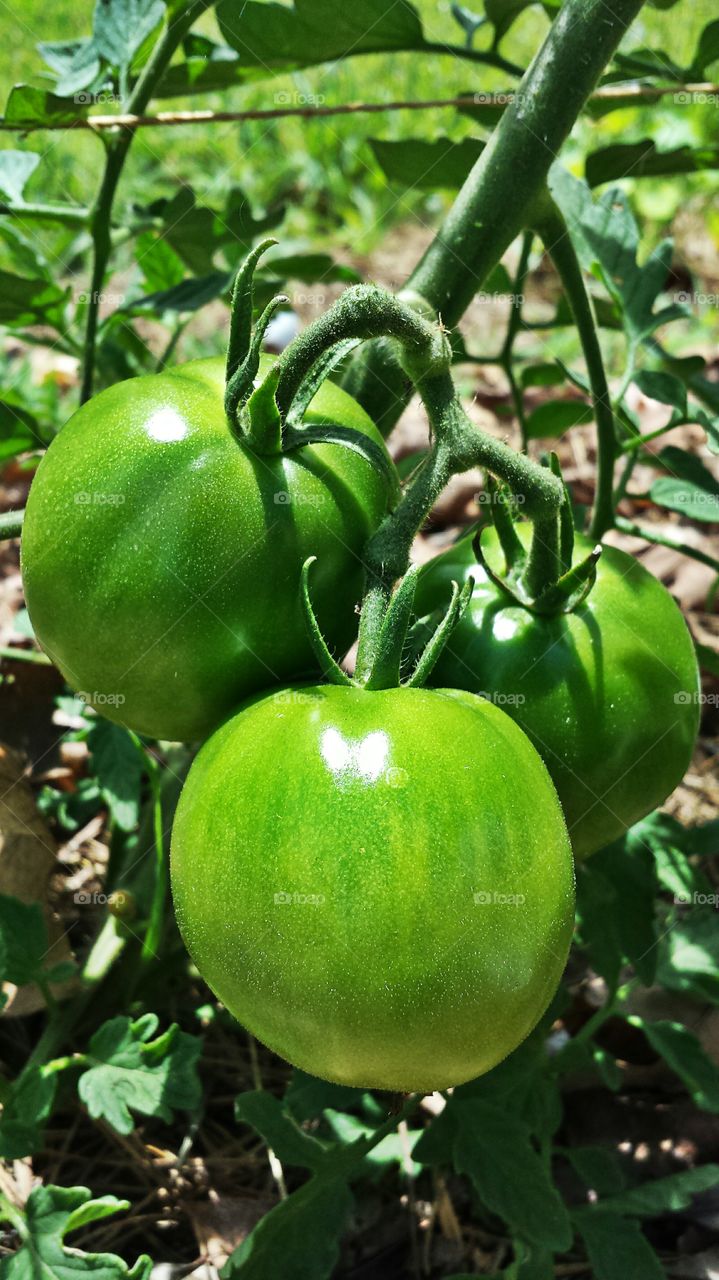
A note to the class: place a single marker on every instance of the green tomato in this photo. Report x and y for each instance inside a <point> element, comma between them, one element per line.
<point>161,557</point>
<point>608,694</point>
<point>379,885</point>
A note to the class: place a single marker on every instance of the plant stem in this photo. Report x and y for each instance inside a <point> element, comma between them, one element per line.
<point>118,145</point>
<point>515,319</point>
<point>660,540</point>
<point>558,243</point>
<point>494,202</point>
<point>457,446</point>
<point>69,215</point>
<point>11,524</point>
<point>151,941</point>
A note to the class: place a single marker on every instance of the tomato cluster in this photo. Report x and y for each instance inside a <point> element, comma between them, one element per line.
<point>375,877</point>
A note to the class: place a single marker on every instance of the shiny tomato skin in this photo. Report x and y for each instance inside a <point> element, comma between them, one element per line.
<point>161,558</point>
<point>609,694</point>
<point>379,885</point>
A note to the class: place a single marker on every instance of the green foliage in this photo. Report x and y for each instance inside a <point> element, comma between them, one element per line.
<point>127,1070</point>
<point>52,1213</point>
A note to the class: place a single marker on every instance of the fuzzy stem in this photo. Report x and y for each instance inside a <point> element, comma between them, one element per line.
<point>558,243</point>
<point>492,206</point>
<point>100,212</point>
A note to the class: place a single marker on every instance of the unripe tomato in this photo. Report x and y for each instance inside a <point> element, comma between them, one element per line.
<point>379,885</point>
<point>608,694</point>
<point>161,557</point>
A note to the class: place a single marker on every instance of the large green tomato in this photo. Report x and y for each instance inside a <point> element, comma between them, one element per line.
<point>608,694</point>
<point>379,885</point>
<point>161,558</point>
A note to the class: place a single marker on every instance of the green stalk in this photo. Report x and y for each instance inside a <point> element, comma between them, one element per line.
<point>515,319</point>
<point>11,524</point>
<point>493,205</point>
<point>117,147</point>
<point>659,540</point>
<point>558,243</point>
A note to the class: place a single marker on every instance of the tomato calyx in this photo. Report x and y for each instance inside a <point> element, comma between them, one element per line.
<point>543,579</point>
<point>387,667</point>
<point>252,407</point>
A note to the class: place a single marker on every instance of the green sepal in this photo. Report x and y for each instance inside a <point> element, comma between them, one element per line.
<point>566,519</point>
<point>387,664</point>
<point>572,588</point>
<point>436,643</point>
<point>239,388</point>
<point>262,423</point>
<point>330,669</point>
<point>241,309</point>
<point>514,553</point>
<point>295,437</point>
<point>312,382</point>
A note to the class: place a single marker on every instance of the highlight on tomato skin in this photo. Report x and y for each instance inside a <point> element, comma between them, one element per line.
<point>170,591</point>
<point>608,693</point>
<point>377,918</point>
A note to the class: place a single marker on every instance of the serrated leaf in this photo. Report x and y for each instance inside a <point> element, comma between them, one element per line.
<point>391,1150</point>
<point>664,387</point>
<point>664,1195</point>
<point>23,934</point>
<point>268,1116</point>
<point>554,417</point>
<point>606,237</point>
<point>117,765</point>
<point>50,1213</point>
<point>494,1149</point>
<point>26,1108</point>
<point>423,165</point>
<point>598,1167</point>
<point>26,301</point>
<point>34,107</point>
<point>616,1247</point>
<point>689,955</point>
<point>131,1072</point>
<point>276,37</point>
<point>16,168</point>
<point>681,1050</point>
<point>645,160</point>
<point>120,27</point>
<point>298,1239</point>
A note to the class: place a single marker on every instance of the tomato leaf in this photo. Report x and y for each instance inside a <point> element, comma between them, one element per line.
<point>50,1213</point>
<point>426,165</point>
<point>616,1246</point>
<point>298,1239</point>
<point>268,1116</point>
<point>681,1051</point>
<point>494,1149</point>
<point>117,765</point>
<point>274,37</point>
<point>130,1071</point>
<point>26,1108</point>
